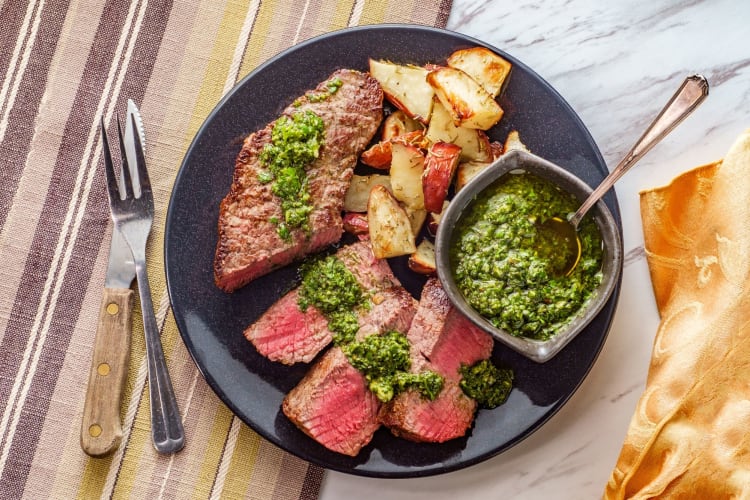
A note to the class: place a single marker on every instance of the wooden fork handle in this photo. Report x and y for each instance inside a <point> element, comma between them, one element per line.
<point>101,428</point>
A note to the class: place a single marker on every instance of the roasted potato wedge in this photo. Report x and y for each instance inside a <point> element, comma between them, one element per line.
<point>513,141</point>
<point>355,223</point>
<point>474,144</point>
<point>487,68</point>
<point>417,217</point>
<point>389,225</point>
<point>407,165</point>
<point>467,170</point>
<point>433,219</point>
<point>467,102</point>
<point>423,260</point>
<point>439,166</point>
<point>358,194</point>
<point>378,155</point>
<point>405,87</point>
<point>397,123</point>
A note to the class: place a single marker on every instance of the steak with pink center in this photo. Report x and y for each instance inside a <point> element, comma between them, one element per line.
<point>288,335</point>
<point>332,405</point>
<point>248,243</point>
<point>441,339</point>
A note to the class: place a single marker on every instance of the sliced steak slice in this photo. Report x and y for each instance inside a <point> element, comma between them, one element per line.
<point>441,339</point>
<point>332,405</point>
<point>288,335</point>
<point>412,417</point>
<point>248,243</point>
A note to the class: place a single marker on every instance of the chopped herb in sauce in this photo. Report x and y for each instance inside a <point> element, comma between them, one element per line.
<point>505,266</point>
<point>384,362</point>
<point>333,290</point>
<point>295,144</point>
<point>486,383</point>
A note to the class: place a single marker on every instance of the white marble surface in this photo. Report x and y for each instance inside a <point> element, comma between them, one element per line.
<point>616,65</point>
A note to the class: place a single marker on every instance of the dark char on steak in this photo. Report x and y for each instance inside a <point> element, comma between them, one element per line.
<point>248,244</point>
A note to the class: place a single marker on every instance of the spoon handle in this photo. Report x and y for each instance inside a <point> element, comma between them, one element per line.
<point>690,94</point>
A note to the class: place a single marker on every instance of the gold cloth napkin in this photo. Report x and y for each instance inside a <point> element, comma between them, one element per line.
<point>64,64</point>
<point>689,435</point>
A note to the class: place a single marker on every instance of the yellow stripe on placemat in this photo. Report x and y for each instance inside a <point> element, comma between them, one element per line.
<point>136,467</point>
<point>373,12</point>
<point>217,441</point>
<point>242,463</point>
<point>228,464</point>
<point>256,51</point>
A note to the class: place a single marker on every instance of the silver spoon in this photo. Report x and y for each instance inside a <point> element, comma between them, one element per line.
<point>690,94</point>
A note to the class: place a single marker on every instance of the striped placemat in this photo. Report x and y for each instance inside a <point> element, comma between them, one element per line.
<point>63,64</point>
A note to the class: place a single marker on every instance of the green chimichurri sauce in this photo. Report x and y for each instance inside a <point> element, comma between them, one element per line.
<point>384,362</point>
<point>333,290</point>
<point>505,266</point>
<point>295,144</point>
<point>331,87</point>
<point>486,383</point>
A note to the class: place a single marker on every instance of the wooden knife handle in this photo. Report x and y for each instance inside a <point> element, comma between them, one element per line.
<point>101,428</point>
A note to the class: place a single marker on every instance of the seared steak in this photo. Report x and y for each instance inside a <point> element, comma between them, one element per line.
<point>441,339</point>
<point>412,417</point>
<point>288,335</point>
<point>333,405</point>
<point>248,243</point>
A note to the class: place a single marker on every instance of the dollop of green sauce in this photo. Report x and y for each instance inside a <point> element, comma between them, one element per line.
<point>505,266</point>
<point>331,87</point>
<point>384,362</point>
<point>486,383</point>
<point>295,144</point>
<point>333,290</point>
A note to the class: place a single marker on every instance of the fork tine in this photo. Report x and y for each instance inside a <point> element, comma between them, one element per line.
<point>109,170</point>
<point>125,170</point>
<point>140,161</point>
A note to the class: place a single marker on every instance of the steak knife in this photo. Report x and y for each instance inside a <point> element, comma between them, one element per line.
<point>101,428</point>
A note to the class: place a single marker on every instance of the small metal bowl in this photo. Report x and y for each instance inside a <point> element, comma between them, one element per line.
<point>539,351</point>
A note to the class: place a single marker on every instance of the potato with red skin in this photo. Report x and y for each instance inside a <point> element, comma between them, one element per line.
<point>423,260</point>
<point>380,155</point>
<point>439,166</point>
<point>397,123</point>
<point>433,219</point>
<point>355,223</point>
<point>390,229</point>
<point>467,171</point>
<point>358,194</point>
<point>497,148</point>
<point>513,142</point>
<point>405,87</point>
<point>468,102</point>
<point>487,68</point>
<point>407,166</point>
<point>475,145</point>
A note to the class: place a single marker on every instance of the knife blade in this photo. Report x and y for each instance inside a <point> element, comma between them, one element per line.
<point>101,428</point>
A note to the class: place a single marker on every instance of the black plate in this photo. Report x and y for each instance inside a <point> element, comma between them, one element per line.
<point>211,322</point>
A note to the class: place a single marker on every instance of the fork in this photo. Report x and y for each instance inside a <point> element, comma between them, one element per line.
<point>133,217</point>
